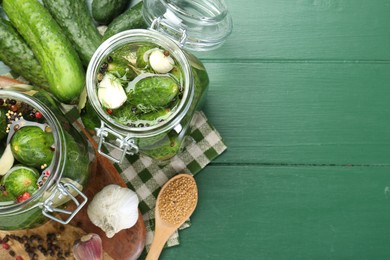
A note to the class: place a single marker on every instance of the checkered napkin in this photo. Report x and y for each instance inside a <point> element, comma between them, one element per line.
<point>146,176</point>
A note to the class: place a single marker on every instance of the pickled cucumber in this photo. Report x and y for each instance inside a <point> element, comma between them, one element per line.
<point>21,179</point>
<point>31,146</point>
<point>152,93</point>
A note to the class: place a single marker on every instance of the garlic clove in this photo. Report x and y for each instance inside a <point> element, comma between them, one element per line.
<point>6,160</point>
<point>110,92</point>
<point>88,247</point>
<point>161,61</point>
<point>113,208</point>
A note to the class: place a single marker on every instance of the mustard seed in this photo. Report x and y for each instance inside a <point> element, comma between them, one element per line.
<point>177,200</point>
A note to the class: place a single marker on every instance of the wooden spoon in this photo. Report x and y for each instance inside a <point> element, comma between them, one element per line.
<point>175,204</point>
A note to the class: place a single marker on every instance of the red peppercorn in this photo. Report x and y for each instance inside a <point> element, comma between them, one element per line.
<point>6,246</point>
<point>38,115</point>
<point>19,258</point>
<point>14,108</point>
<point>109,111</point>
<point>166,53</point>
<point>24,196</point>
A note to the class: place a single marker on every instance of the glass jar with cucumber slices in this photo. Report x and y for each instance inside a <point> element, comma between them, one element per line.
<point>144,86</point>
<point>44,162</point>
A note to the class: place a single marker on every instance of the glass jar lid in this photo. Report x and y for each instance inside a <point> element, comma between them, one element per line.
<point>198,25</point>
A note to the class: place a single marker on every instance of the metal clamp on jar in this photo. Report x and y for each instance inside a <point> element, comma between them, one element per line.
<point>144,88</point>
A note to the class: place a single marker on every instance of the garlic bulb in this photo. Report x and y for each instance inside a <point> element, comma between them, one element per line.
<point>160,61</point>
<point>114,208</point>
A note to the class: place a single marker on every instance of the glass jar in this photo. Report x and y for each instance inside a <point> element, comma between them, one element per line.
<point>61,180</point>
<point>174,26</point>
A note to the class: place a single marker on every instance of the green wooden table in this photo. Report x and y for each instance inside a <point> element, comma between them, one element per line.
<point>301,94</point>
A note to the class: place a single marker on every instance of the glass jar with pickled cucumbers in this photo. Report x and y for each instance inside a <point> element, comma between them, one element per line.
<point>44,162</point>
<point>144,86</point>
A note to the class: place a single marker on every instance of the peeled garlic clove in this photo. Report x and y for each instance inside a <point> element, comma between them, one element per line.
<point>160,61</point>
<point>113,208</point>
<point>6,160</point>
<point>110,92</point>
<point>88,247</point>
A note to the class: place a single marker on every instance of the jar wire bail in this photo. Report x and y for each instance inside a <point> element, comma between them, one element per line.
<point>61,191</point>
<point>125,144</point>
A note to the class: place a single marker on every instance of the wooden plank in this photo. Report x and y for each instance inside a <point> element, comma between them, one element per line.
<point>252,212</point>
<point>307,29</point>
<point>301,113</point>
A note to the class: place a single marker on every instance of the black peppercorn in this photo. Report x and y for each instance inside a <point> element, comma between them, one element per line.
<point>62,228</point>
<point>109,59</point>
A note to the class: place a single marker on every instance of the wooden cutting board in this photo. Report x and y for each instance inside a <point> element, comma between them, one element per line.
<point>126,244</point>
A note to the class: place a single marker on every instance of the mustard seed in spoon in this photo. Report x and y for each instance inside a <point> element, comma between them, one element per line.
<point>175,203</point>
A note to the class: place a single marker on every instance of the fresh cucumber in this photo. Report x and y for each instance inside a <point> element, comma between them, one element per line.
<point>17,55</point>
<point>76,22</point>
<point>104,11</point>
<point>130,19</point>
<point>59,60</point>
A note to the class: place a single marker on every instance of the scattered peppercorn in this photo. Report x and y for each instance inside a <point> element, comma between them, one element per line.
<point>12,102</point>
<point>109,59</point>
<point>62,228</point>
<point>11,252</point>
<point>1,101</point>
<point>5,246</point>
<point>109,111</point>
